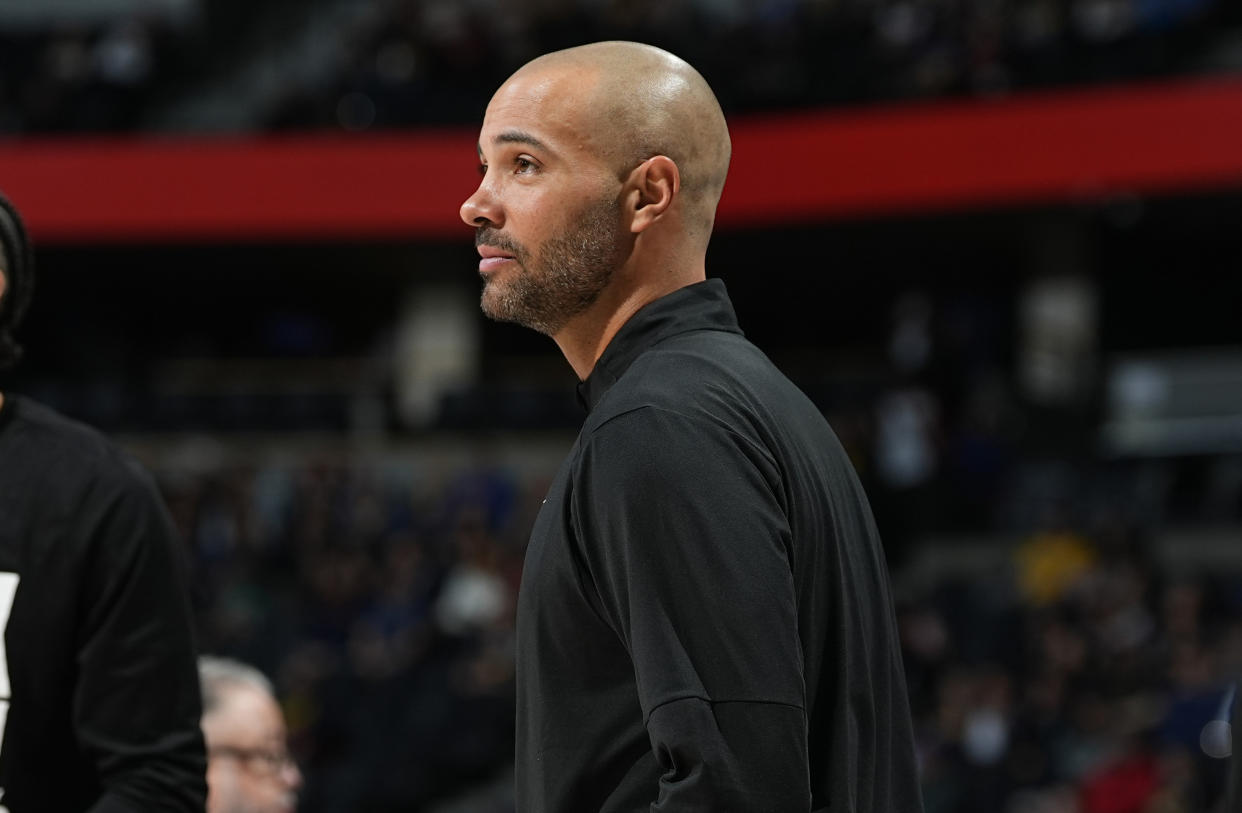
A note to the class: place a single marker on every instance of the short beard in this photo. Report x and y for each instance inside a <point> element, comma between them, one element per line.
<point>567,277</point>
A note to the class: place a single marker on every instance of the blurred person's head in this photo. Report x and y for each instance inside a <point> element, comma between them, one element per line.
<point>602,166</point>
<point>16,280</point>
<point>1183,602</point>
<point>249,769</point>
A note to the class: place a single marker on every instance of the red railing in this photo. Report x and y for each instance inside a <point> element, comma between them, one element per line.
<point>1161,138</point>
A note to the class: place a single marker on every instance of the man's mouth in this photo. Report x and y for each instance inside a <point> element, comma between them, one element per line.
<point>492,258</point>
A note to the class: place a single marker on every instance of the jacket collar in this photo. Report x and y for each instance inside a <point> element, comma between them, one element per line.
<point>701,306</point>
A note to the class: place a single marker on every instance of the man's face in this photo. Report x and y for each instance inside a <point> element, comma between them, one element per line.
<point>546,214</point>
<point>248,766</point>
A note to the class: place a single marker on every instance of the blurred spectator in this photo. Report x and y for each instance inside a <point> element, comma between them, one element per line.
<point>1052,563</point>
<point>249,769</point>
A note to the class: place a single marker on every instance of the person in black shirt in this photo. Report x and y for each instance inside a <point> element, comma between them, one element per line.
<point>99,695</point>
<point>705,620</point>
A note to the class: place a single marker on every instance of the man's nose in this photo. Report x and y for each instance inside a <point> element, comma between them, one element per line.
<point>481,209</point>
<point>291,775</point>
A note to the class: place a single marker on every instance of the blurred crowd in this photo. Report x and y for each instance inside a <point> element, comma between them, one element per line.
<point>93,78</point>
<point>398,63</point>
<point>425,61</point>
<point>380,598</point>
<point>1086,677</point>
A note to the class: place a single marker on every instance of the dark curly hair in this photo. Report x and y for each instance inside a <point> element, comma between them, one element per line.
<point>18,267</point>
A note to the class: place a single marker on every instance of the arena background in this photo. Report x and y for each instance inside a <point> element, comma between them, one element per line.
<point>999,242</point>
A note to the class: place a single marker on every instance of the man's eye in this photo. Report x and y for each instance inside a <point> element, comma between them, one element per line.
<point>523,166</point>
<point>482,169</point>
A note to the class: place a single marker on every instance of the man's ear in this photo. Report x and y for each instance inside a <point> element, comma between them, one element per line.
<point>654,184</point>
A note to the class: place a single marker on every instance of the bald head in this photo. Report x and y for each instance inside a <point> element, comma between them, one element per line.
<point>633,101</point>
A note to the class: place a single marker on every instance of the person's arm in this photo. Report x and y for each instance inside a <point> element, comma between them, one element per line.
<point>137,705</point>
<point>682,531</point>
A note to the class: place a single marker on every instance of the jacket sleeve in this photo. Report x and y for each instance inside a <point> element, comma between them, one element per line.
<point>137,705</point>
<point>684,536</point>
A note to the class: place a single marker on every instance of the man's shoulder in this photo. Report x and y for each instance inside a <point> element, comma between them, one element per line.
<point>45,444</point>
<point>681,391</point>
<point>56,434</point>
<point>708,373</point>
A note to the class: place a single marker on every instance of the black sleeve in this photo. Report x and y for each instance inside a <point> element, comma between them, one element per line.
<point>136,705</point>
<point>683,534</point>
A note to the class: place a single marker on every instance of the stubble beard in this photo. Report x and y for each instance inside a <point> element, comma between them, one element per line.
<point>566,278</point>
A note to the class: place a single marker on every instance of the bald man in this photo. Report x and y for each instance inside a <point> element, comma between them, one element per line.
<point>704,620</point>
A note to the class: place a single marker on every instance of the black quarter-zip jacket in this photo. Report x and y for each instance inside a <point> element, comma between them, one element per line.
<point>705,621</point>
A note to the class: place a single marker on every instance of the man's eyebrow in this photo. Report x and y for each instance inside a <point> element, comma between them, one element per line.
<point>515,137</point>
<point>518,137</point>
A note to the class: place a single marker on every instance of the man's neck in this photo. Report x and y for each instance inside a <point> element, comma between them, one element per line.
<point>586,336</point>
<point>584,339</point>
